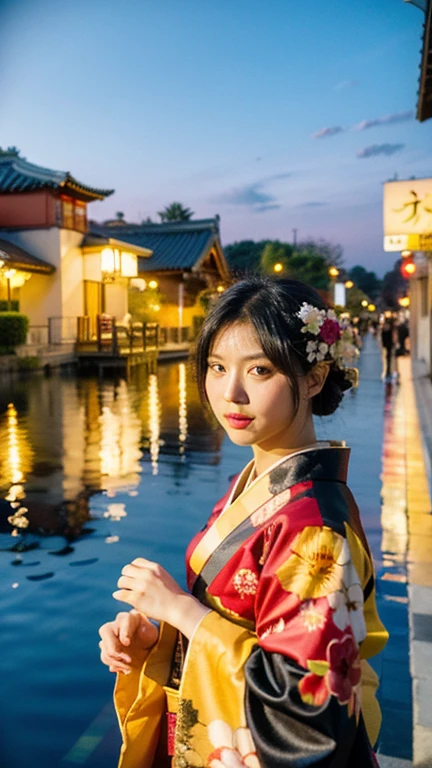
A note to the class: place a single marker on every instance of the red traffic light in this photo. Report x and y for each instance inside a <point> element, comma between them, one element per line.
<point>408,268</point>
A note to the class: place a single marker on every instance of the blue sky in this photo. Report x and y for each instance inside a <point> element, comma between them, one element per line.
<point>275,115</point>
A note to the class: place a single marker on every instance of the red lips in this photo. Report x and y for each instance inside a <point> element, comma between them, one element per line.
<point>237,420</point>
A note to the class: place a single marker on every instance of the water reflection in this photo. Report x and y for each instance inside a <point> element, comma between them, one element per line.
<point>65,439</point>
<point>154,421</point>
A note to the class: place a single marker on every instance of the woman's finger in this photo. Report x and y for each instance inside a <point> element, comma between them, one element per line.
<point>126,582</point>
<point>127,624</point>
<point>125,596</point>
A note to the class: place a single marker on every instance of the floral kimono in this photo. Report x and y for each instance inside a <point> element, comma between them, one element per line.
<point>275,673</point>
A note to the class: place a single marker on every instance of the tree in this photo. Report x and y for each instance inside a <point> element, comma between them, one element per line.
<point>394,286</point>
<point>244,256</point>
<point>368,282</point>
<point>175,212</point>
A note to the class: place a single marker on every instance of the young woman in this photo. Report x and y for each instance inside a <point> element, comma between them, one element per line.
<point>281,613</point>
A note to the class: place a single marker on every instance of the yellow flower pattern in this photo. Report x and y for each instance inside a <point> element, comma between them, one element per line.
<point>315,567</point>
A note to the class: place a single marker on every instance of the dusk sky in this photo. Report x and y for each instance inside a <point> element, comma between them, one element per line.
<point>275,115</point>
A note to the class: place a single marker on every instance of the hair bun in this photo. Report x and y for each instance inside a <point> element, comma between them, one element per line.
<point>337,382</point>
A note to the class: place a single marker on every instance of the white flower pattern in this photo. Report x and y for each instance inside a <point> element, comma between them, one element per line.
<point>233,749</point>
<point>347,604</point>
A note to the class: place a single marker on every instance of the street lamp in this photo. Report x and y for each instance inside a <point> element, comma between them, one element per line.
<point>153,284</point>
<point>333,271</point>
<point>278,267</point>
<point>371,307</point>
<point>404,301</point>
<point>349,284</point>
<point>220,289</point>
<point>364,303</point>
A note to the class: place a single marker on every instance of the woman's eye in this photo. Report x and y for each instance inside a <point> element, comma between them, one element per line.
<point>261,370</point>
<point>216,367</point>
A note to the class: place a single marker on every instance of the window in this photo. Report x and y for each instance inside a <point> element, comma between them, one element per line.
<point>73,214</point>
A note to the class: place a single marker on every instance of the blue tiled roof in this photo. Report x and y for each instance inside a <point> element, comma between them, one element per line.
<point>15,256</point>
<point>175,245</point>
<point>17,175</point>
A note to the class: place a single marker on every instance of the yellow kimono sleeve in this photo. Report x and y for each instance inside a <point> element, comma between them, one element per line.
<point>140,704</point>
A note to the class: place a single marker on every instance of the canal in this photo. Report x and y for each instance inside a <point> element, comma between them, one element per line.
<point>96,472</point>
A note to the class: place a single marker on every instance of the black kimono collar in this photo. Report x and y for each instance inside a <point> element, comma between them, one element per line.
<point>326,463</point>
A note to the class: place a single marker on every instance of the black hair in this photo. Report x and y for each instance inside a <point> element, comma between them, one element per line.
<point>271,305</point>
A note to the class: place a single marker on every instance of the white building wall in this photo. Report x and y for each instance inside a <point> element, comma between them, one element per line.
<point>41,295</point>
<point>116,298</point>
<point>72,276</point>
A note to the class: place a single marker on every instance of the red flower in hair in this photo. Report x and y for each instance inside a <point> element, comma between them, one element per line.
<point>330,331</point>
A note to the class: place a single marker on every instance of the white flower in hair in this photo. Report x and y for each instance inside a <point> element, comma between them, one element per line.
<point>322,351</point>
<point>312,317</point>
<point>311,350</point>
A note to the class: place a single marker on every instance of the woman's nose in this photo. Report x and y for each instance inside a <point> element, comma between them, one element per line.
<point>235,391</point>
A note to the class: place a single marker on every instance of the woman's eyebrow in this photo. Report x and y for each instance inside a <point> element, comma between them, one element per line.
<point>254,356</point>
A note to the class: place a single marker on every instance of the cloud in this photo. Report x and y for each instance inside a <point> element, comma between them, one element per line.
<point>380,149</point>
<point>346,84</point>
<point>312,204</point>
<point>270,207</point>
<point>324,132</point>
<point>396,117</point>
<point>277,177</point>
<point>253,195</point>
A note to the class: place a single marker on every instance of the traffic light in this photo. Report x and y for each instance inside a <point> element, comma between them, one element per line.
<point>408,267</point>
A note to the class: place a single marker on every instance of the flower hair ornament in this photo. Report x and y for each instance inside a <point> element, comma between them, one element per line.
<point>329,340</point>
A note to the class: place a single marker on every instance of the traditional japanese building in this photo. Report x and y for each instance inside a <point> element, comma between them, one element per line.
<point>50,267</point>
<point>187,261</point>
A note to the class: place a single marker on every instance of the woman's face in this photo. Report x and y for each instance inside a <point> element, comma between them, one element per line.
<point>250,398</point>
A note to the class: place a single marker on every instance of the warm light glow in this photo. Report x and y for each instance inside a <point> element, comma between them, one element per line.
<point>406,254</point>
<point>183,424</point>
<point>9,273</point>
<point>1,263</point>
<point>154,421</point>
<point>349,284</point>
<point>404,301</point>
<point>333,271</point>
<point>153,284</point>
<point>156,307</point>
<point>138,284</point>
<point>371,307</point>
<point>129,264</point>
<point>410,268</point>
<point>364,303</point>
<point>278,267</point>
<point>108,261</point>
<point>120,433</point>
<point>220,289</point>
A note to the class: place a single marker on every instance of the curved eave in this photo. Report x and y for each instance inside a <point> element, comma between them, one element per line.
<point>424,105</point>
<point>85,193</point>
<point>34,268</point>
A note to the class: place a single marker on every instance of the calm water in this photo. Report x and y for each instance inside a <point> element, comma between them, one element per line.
<point>93,474</point>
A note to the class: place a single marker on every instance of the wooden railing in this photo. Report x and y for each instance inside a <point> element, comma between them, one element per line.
<point>116,338</point>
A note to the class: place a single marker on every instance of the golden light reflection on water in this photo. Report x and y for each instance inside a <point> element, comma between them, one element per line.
<point>120,435</point>
<point>394,519</point>
<point>16,457</point>
<point>183,424</point>
<point>154,421</point>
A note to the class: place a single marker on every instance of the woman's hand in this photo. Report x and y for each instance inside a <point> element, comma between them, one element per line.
<point>151,590</point>
<point>125,641</point>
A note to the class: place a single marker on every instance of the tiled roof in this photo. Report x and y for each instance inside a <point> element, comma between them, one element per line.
<point>17,175</point>
<point>17,258</point>
<point>175,245</point>
<point>91,240</point>
<point>424,105</point>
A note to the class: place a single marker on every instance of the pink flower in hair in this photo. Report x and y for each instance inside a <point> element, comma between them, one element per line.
<point>330,331</point>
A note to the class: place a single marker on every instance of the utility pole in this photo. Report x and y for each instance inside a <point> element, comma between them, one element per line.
<point>294,237</point>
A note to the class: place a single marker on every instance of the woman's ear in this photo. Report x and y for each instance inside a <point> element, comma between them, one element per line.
<point>315,379</point>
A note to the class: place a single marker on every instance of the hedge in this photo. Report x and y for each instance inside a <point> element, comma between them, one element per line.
<point>13,329</point>
<point>8,306</point>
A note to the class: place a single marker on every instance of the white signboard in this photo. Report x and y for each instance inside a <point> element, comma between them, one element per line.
<point>408,215</point>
